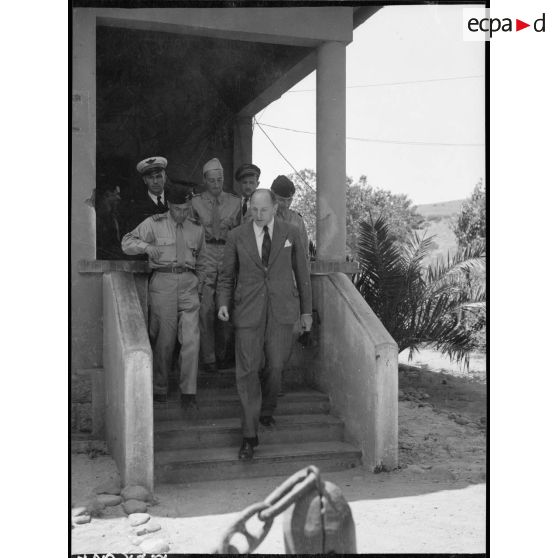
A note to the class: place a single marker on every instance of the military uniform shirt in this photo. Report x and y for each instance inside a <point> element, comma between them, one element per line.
<point>162,233</point>
<point>228,209</point>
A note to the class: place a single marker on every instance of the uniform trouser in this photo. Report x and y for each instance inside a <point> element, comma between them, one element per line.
<point>216,336</point>
<point>174,313</point>
<point>259,398</point>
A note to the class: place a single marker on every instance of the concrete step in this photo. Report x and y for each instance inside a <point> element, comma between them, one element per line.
<point>224,403</point>
<point>191,465</point>
<point>173,435</point>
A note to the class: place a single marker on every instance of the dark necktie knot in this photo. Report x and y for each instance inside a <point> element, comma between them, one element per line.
<point>160,204</point>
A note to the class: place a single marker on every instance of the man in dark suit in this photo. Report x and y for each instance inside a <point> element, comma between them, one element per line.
<point>153,200</point>
<point>263,258</point>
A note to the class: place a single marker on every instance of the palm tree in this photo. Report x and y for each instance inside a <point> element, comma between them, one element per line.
<point>421,306</point>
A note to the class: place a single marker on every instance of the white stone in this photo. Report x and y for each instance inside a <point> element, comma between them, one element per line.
<point>109,499</point>
<point>154,546</point>
<point>80,519</point>
<point>109,487</point>
<point>150,527</point>
<point>136,492</point>
<point>136,519</point>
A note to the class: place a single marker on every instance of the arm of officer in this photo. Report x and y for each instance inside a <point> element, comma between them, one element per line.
<point>139,241</point>
<point>301,270</point>
<point>227,276</point>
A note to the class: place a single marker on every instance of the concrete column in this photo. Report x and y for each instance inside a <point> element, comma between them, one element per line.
<point>86,289</point>
<point>242,143</point>
<point>330,152</point>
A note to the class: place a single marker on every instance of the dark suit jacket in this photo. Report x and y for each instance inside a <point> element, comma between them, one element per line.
<point>140,209</point>
<point>256,286</point>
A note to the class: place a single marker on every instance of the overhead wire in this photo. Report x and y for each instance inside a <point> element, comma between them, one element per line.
<point>285,158</point>
<point>394,83</point>
<point>372,140</point>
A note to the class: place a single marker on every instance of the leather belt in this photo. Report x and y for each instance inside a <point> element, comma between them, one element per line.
<point>216,241</point>
<point>174,269</point>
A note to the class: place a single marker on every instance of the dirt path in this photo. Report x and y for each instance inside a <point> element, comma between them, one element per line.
<point>435,501</point>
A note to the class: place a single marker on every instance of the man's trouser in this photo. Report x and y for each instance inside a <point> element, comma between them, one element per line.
<point>216,335</point>
<point>260,398</point>
<point>173,313</point>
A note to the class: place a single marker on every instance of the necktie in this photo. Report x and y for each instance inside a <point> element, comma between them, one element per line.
<point>215,219</point>
<point>244,206</point>
<point>160,204</point>
<point>180,245</point>
<point>266,246</point>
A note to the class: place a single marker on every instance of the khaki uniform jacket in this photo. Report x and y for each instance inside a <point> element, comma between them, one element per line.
<point>229,210</point>
<point>162,233</point>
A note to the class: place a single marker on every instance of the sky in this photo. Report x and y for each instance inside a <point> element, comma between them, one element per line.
<point>397,44</point>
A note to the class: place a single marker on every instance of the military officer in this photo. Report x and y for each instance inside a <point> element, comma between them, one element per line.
<point>248,177</point>
<point>153,200</point>
<point>218,212</point>
<point>176,250</point>
<point>284,190</point>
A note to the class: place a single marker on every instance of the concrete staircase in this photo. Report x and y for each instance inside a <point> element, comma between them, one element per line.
<point>207,448</point>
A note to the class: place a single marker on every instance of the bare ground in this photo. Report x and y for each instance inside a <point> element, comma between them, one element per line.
<point>435,501</point>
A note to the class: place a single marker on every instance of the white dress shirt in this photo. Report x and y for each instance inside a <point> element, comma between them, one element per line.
<point>259,232</point>
<point>154,197</point>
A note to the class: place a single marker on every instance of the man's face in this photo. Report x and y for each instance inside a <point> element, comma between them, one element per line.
<point>155,182</point>
<point>262,208</point>
<point>248,184</point>
<point>213,181</point>
<point>283,203</point>
<point>179,211</point>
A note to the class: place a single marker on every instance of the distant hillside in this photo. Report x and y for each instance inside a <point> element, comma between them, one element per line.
<point>440,208</point>
<point>439,218</point>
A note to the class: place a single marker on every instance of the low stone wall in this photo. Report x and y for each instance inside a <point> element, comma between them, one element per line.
<point>357,367</point>
<point>127,363</point>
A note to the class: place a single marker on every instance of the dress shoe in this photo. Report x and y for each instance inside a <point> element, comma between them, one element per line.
<point>267,421</point>
<point>160,397</point>
<point>246,451</point>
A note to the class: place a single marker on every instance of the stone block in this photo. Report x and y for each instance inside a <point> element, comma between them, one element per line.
<point>134,506</point>
<point>136,492</point>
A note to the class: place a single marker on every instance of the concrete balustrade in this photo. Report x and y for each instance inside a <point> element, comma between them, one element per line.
<point>127,361</point>
<point>358,369</point>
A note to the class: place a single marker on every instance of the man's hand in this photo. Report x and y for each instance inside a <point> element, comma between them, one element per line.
<point>306,322</point>
<point>154,252</point>
<point>223,314</point>
<point>158,216</point>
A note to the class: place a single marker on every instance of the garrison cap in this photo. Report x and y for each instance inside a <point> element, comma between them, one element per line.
<point>212,165</point>
<point>151,164</point>
<point>247,169</point>
<point>283,187</point>
<point>178,193</point>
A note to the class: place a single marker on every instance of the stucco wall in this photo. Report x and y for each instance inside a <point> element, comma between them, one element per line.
<point>128,380</point>
<point>358,369</point>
